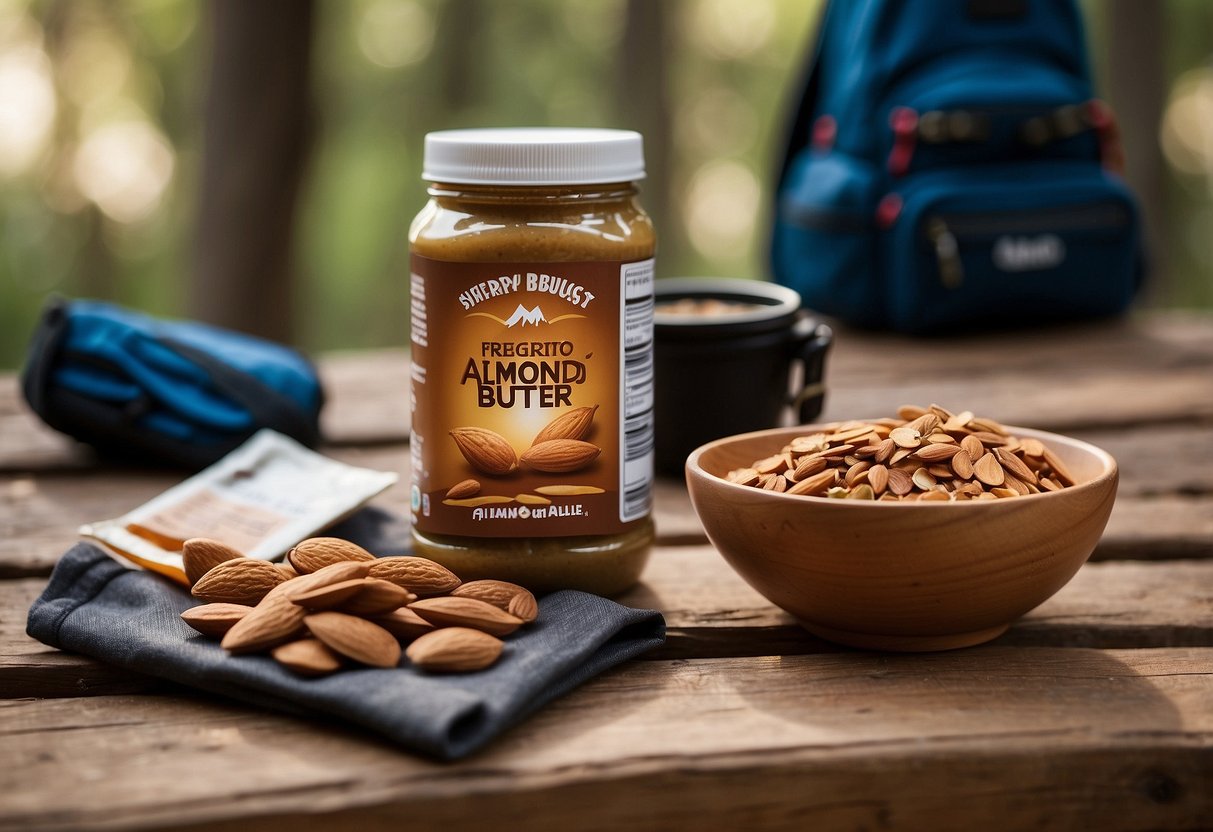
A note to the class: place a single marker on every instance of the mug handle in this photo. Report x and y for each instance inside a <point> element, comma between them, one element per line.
<point>810,343</point>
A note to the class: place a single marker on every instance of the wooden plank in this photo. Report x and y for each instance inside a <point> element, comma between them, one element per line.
<point>1149,369</point>
<point>1005,737</point>
<point>26,444</point>
<point>712,613</point>
<point>1164,509</point>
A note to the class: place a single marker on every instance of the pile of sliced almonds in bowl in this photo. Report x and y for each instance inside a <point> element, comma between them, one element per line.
<point>925,454</point>
<point>334,605</point>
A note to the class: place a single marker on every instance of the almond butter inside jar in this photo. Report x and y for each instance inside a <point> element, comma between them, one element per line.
<point>532,373</point>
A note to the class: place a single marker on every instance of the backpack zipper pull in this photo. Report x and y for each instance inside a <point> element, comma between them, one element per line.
<point>947,254</point>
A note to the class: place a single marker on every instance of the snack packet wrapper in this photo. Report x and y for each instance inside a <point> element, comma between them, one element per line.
<point>261,499</point>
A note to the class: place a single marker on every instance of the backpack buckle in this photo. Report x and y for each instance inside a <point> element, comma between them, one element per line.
<point>904,123</point>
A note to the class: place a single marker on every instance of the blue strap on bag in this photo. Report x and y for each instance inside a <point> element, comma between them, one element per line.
<point>948,167</point>
<point>164,391</point>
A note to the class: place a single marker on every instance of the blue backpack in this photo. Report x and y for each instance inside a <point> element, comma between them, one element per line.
<point>948,167</point>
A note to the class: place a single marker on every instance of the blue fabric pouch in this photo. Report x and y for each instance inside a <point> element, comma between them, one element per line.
<point>161,392</point>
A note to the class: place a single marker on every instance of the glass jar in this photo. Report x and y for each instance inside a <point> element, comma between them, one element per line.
<point>532,310</point>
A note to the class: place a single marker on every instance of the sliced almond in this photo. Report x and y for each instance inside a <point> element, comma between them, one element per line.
<point>937,452</point>
<point>878,477</point>
<point>923,479</point>
<point>814,485</point>
<point>962,464</point>
<point>1060,472</point>
<point>1032,447</point>
<point>989,471</point>
<point>900,482</point>
<point>973,447</point>
<point>744,476</point>
<point>810,465</point>
<point>1014,465</point>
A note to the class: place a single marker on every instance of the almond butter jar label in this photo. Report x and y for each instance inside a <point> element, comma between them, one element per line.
<point>532,397</point>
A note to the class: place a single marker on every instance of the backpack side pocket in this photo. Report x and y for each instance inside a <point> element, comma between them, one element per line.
<point>824,239</point>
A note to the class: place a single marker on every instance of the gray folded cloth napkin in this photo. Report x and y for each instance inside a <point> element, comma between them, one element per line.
<point>97,607</point>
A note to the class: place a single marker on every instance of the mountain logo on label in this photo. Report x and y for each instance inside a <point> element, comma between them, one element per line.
<point>525,316</point>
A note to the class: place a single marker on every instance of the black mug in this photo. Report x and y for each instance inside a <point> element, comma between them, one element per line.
<point>727,353</point>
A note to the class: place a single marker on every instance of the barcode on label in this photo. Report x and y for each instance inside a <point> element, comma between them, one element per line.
<point>636,391</point>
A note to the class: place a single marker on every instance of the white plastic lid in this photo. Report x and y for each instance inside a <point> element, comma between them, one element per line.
<point>533,156</point>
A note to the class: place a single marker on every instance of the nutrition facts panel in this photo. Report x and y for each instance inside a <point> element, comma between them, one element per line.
<point>636,390</point>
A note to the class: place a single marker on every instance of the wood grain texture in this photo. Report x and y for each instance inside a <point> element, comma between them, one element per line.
<point>712,613</point>
<point>1151,369</point>
<point>1164,506</point>
<point>1007,737</point>
<point>1094,711</point>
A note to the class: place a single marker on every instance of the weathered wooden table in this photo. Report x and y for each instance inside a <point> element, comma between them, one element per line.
<point>1094,712</point>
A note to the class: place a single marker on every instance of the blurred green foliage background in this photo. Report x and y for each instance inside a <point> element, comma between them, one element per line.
<point>100,139</point>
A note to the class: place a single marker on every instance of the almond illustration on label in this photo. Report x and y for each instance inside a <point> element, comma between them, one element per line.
<point>461,490</point>
<point>486,450</point>
<point>572,425</point>
<point>559,456</point>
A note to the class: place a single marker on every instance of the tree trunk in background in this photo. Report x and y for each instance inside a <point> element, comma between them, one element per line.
<point>643,104</point>
<point>460,46</point>
<point>256,138</point>
<point>1137,89</point>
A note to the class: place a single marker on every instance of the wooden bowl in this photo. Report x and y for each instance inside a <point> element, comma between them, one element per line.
<point>902,576</point>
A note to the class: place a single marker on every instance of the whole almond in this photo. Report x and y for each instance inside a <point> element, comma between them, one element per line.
<point>243,581</point>
<point>460,490</point>
<point>329,596</point>
<point>335,573</point>
<point>307,657</point>
<point>355,638</point>
<point>318,552</point>
<point>524,606</point>
<point>454,650</point>
<point>418,575</point>
<point>497,593</point>
<point>486,450</point>
<point>215,619</point>
<point>572,425</point>
<point>378,597</point>
<point>270,623</point>
<point>560,456</point>
<point>200,555</point>
<point>466,612</point>
<point>404,624</point>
